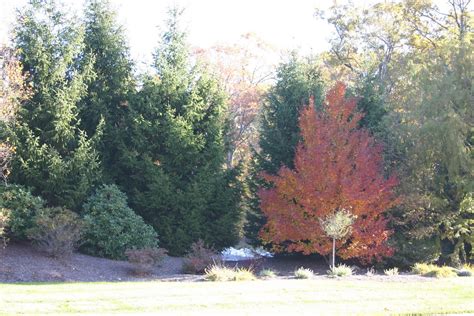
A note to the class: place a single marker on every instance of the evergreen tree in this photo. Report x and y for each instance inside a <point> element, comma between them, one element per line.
<point>297,81</point>
<point>175,174</point>
<point>370,103</point>
<point>108,95</point>
<point>53,155</point>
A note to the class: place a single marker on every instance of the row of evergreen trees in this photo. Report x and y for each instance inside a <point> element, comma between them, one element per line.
<point>87,123</point>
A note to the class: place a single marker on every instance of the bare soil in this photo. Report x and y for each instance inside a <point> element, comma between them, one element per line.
<point>21,262</point>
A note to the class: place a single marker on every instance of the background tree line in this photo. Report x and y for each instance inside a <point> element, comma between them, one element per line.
<point>188,142</point>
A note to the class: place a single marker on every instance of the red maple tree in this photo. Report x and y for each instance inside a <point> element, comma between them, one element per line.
<point>338,166</point>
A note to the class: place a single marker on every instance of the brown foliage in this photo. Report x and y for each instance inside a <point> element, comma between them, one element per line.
<point>143,260</point>
<point>199,258</point>
<point>13,91</point>
<point>244,71</point>
<point>57,231</point>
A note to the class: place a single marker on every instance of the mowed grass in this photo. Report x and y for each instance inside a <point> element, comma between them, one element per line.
<point>277,297</point>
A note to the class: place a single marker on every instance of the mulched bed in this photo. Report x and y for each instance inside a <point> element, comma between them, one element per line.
<point>21,262</point>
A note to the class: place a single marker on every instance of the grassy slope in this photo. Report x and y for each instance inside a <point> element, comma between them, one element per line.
<point>321,296</point>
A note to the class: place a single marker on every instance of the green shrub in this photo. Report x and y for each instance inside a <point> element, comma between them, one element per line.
<point>218,272</point>
<point>303,273</point>
<point>113,227</point>
<point>340,271</point>
<point>143,260</point>
<point>392,271</point>
<point>267,274</point>
<point>22,206</point>
<point>431,270</point>
<point>412,250</point>
<point>200,258</point>
<point>57,231</point>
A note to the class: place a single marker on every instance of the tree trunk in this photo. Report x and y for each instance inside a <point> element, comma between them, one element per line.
<point>333,253</point>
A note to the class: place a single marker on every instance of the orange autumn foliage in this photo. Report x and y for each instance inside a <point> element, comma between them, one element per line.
<point>337,166</point>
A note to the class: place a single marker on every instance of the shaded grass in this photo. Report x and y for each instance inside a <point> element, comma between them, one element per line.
<point>317,296</point>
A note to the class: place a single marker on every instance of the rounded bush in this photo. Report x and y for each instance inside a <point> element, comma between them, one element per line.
<point>57,231</point>
<point>22,208</point>
<point>112,227</point>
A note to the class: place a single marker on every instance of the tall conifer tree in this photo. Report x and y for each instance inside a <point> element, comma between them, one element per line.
<point>297,81</point>
<point>177,178</point>
<point>108,95</point>
<point>54,156</point>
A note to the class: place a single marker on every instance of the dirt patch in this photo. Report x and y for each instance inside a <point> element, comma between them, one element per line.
<point>21,262</point>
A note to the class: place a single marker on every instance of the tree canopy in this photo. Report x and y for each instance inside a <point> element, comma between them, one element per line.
<point>337,167</point>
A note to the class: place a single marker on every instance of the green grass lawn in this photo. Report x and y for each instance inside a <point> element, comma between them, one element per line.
<point>282,297</point>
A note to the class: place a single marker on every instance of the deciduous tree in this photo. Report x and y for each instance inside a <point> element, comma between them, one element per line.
<point>13,91</point>
<point>337,166</point>
<point>244,72</point>
<point>420,58</point>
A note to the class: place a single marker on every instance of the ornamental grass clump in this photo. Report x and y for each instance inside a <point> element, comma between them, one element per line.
<point>267,274</point>
<point>243,274</point>
<point>221,273</point>
<point>340,271</point>
<point>304,273</point>
<point>371,272</point>
<point>391,272</point>
<point>431,270</point>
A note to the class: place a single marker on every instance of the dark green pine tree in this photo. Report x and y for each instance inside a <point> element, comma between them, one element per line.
<point>108,95</point>
<point>297,81</point>
<point>54,156</point>
<point>175,174</point>
<point>371,104</point>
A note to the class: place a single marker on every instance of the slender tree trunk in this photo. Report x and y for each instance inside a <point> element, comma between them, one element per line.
<point>333,253</point>
<point>230,158</point>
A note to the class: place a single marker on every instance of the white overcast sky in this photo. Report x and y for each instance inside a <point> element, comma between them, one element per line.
<point>285,24</point>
